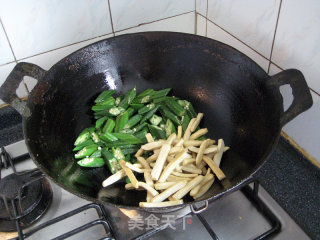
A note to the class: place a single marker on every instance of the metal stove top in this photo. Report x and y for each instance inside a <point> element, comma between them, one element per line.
<point>231,217</point>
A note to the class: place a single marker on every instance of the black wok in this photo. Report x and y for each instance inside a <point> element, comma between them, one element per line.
<point>241,103</point>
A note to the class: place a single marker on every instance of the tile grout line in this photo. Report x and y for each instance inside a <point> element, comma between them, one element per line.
<point>110,15</point>
<point>14,56</point>
<point>207,19</point>
<point>238,40</point>
<point>141,24</point>
<point>5,33</point>
<point>274,36</point>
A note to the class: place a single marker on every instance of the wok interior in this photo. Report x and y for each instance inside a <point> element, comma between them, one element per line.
<point>220,82</point>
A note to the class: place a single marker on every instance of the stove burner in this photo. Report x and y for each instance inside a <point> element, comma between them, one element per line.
<point>24,196</point>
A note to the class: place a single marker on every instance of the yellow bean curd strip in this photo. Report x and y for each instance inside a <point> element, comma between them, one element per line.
<point>179,134</point>
<point>214,167</point>
<point>191,169</point>
<point>203,146</point>
<point>204,189</point>
<point>114,178</point>
<point>196,122</point>
<point>148,188</point>
<point>172,165</point>
<point>217,157</point>
<point>129,173</point>
<point>199,133</point>
<point>196,189</point>
<point>165,149</point>
<point>164,185</point>
<point>160,204</point>
<point>169,191</point>
<point>152,145</point>
<point>187,133</point>
<point>190,185</point>
<point>143,162</point>
<point>149,138</point>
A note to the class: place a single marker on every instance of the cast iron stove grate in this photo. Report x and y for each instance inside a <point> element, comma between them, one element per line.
<point>17,216</point>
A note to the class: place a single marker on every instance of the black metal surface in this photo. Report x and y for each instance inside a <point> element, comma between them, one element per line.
<point>102,221</point>
<point>24,196</point>
<point>241,105</point>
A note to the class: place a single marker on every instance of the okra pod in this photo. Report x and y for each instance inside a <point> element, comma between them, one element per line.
<point>166,113</point>
<point>131,111</point>
<point>133,121</point>
<point>169,128</point>
<point>86,151</point>
<point>96,154</point>
<point>101,121</point>
<point>109,126</point>
<point>128,138</point>
<point>149,114</point>
<point>104,95</point>
<point>118,100</point>
<point>115,111</point>
<point>128,98</point>
<point>146,108</point>
<point>126,151</point>
<point>83,136</point>
<point>142,135</point>
<point>175,107</point>
<point>136,106</point>
<point>108,101</point>
<point>116,151</point>
<point>82,145</point>
<point>157,132</point>
<point>161,93</point>
<point>144,97</point>
<point>188,107</point>
<point>98,108</point>
<point>108,137</point>
<point>91,162</point>
<point>95,137</point>
<point>155,120</point>
<point>119,143</point>
<point>139,127</point>
<point>121,121</point>
<point>185,122</point>
<point>111,161</point>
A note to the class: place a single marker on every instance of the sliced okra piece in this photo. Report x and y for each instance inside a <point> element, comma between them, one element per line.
<point>149,114</point>
<point>86,151</point>
<point>159,99</point>
<point>185,121</point>
<point>104,95</point>
<point>136,106</point>
<point>82,145</point>
<point>91,162</point>
<point>99,108</point>
<point>161,93</point>
<point>127,130</point>
<point>169,128</point>
<point>116,151</point>
<point>96,153</point>
<point>119,143</point>
<point>155,120</point>
<point>118,100</point>
<point>175,107</point>
<point>121,121</point>
<point>95,137</point>
<point>109,126</point>
<point>128,98</point>
<point>101,121</point>
<point>115,111</point>
<point>142,135</point>
<point>146,108</point>
<point>131,111</point>
<point>144,97</point>
<point>139,127</point>
<point>126,151</point>
<point>169,115</point>
<point>133,121</point>
<point>128,138</point>
<point>111,161</point>
<point>157,132</point>
<point>84,136</point>
<point>108,101</point>
<point>188,107</point>
<point>108,137</point>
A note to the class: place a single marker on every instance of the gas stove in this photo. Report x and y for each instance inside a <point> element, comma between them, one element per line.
<point>33,207</point>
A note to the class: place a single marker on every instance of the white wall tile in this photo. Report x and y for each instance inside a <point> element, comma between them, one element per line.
<point>4,72</point>
<point>201,25</point>
<point>297,39</point>
<point>47,60</point>
<point>130,13</point>
<point>6,54</point>
<point>251,21</point>
<point>302,128</point>
<point>182,23</point>
<point>217,33</point>
<point>201,7</point>
<point>37,26</point>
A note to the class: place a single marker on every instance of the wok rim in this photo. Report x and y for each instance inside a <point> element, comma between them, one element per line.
<point>230,190</point>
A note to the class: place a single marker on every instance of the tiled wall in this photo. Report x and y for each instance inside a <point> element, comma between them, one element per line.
<point>45,31</point>
<point>277,34</point>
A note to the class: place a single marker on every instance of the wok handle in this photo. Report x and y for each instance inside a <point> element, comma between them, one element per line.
<point>197,210</point>
<point>9,87</point>
<point>302,99</point>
